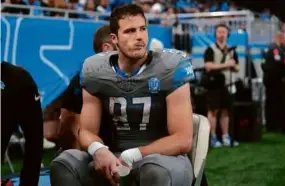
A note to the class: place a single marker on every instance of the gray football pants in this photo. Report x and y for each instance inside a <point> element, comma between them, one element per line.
<point>75,168</point>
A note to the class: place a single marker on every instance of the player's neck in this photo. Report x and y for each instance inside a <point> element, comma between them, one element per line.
<point>221,44</point>
<point>128,65</point>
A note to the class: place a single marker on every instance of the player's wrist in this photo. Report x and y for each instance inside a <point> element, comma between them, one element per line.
<point>131,156</point>
<point>94,147</point>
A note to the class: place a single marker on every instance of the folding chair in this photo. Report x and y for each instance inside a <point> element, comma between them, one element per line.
<point>8,160</point>
<point>13,141</point>
<point>200,147</point>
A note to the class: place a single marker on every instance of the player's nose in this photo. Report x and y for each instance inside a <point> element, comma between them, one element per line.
<point>139,35</point>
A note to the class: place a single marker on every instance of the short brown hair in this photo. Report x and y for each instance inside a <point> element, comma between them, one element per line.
<point>102,35</point>
<point>122,12</point>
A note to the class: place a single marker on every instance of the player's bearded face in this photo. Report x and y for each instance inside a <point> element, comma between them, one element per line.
<point>132,37</point>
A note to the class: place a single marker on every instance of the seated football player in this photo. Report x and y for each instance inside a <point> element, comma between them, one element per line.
<point>142,97</point>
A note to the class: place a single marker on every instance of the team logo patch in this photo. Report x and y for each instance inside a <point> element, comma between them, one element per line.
<point>2,85</point>
<point>154,85</point>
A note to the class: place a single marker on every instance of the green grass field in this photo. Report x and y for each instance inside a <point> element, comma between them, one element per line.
<point>250,164</point>
<point>255,164</point>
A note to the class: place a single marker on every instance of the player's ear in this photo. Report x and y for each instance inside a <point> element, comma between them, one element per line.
<point>114,38</point>
<point>107,47</point>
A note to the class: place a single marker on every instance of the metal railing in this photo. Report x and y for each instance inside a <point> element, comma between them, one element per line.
<point>36,11</point>
<point>196,22</point>
<point>183,25</point>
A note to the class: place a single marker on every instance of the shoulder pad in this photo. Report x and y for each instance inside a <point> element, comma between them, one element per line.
<point>171,57</point>
<point>176,69</point>
<point>96,62</point>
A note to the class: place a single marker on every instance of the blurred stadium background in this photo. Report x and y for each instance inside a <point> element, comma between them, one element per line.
<point>51,39</point>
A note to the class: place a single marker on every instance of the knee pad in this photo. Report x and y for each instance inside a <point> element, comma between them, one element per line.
<point>73,162</point>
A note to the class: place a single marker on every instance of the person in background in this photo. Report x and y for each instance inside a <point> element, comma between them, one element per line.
<point>274,81</point>
<point>221,63</point>
<point>63,114</point>
<point>72,98</point>
<point>13,10</point>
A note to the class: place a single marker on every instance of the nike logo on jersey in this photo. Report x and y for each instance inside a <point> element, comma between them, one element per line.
<point>37,98</point>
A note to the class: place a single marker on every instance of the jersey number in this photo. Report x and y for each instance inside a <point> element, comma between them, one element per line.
<point>146,101</point>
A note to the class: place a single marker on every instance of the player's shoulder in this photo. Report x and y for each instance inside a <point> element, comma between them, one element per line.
<point>171,58</point>
<point>97,62</point>
<point>210,48</point>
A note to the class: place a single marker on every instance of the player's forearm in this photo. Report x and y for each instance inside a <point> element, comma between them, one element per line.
<point>86,138</point>
<point>171,145</point>
<point>89,125</point>
<point>212,66</point>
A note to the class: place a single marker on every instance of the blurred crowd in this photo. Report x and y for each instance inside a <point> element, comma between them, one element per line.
<point>156,7</point>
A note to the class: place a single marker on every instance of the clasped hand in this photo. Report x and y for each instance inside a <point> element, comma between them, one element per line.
<point>106,163</point>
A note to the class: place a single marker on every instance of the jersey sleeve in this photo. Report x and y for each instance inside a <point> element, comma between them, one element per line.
<point>72,97</point>
<point>180,75</point>
<point>88,79</point>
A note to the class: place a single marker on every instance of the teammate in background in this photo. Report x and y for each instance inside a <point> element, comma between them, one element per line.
<point>274,81</point>
<point>21,106</point>
<point>63,114</point>
<point>72,99</point>
<point>144,97</point>
<point>221,63</point>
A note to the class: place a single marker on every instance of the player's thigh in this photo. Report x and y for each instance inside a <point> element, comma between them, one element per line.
<point>68,134</point>
<point>69,122</point>
<point>52,111</point>
<point>51,129</point>
<point>75,166</point>
<point>179,168</point>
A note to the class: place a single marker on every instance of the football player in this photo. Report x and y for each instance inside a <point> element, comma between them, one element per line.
<point>143,96</point>
<point>21,106</point>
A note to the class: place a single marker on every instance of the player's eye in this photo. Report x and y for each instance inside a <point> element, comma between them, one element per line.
<point>143,28</point>
<point>132,30</point>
